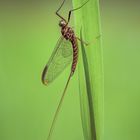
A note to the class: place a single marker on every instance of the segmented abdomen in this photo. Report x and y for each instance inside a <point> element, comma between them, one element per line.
<point>75,54</point>
<point>68,34</point>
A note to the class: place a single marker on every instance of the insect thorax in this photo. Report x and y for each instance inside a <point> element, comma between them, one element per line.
<point>67,32</point>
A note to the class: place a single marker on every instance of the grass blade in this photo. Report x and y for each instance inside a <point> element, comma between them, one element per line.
<point>90,69</point>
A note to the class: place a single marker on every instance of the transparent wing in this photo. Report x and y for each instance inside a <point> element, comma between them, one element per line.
<point>59,60</point>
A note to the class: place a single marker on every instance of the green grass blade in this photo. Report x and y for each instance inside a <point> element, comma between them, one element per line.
<point>89,103</point>
<point>90,69</point>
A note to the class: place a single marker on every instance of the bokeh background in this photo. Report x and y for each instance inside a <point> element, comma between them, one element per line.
<point>28,33</point>
<point>121,45</point>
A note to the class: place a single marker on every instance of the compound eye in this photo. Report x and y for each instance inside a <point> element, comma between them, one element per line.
<point>62,23</point>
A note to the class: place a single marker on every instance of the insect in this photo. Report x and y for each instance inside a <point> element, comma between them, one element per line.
<point>65,53</point>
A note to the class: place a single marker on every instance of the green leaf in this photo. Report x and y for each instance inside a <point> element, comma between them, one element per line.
<point>90,69</point>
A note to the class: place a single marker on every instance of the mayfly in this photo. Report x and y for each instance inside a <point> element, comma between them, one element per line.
<point>65,52</point>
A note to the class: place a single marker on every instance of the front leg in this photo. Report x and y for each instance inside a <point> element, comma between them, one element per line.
<point>59,10</point>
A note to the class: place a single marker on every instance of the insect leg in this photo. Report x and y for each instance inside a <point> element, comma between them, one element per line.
<point>59,10</point>
<point>86,42</point>
<point>82,41</point>
<point>69,15</point>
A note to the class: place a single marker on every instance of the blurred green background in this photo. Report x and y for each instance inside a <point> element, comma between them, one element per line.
<point>28,33</point>
<point>121,45</point>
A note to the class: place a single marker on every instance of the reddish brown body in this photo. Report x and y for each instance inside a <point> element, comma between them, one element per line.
<point>68,34</point>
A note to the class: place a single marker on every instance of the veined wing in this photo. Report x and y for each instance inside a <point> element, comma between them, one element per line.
<point>59,60</point>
